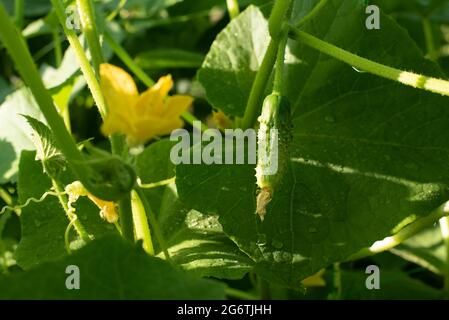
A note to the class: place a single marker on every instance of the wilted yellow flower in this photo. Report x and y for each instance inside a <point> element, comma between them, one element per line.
<point>316,280</point>
<point>140,117</point>
<point>108,209</point>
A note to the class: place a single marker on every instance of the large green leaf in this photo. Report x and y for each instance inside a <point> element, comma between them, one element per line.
<point>15,133</point>
<point>109,268</point>
<point>44,223</point>
<point>196,241</point>
<point>233,61</point>
<point>368,157</point>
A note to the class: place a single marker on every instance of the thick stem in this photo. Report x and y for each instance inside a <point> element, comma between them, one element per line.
<point>406,233</point>
<point>154,224</point>
<point>85,66</point>
<point>233,8</point>
<point>86,11</point>
<point>407,78</point>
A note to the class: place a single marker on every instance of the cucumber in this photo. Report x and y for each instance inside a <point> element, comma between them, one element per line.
<point>273,142</point>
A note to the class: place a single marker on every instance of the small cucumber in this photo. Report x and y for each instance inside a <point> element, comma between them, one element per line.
<point>273,141</point>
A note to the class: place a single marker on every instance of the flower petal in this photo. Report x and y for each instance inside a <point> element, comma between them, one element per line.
<point>119,90</point>
<point>175,106</point>
<point>151,102</point>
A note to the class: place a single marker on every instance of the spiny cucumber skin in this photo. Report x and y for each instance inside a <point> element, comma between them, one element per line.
<point>275,115</point>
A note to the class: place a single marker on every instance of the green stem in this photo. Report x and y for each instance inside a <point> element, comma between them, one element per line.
<point>312,14</point>
<point>280,60</point>
<point>154,224</point>
<point>70,215</point>
<point>126,218</point>
<point>140,74</point>
<point>235,293</point>
<point>277,17</point>
<point>117,10</point>
<point>256,95</point>
<point>19,52</point>
<point>233,8</point>
<point>407,78</point>
<point>58,48</point>
<point>127,60</point>
<point>404,234</point>
<point>444,227</point>
<point>430,42</point>
<point>141,226</point>
<point>86,11</point>
<point>19,13</point>
<point>85,66</point>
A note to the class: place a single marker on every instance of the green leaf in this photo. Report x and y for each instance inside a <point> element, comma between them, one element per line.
<point>369,155</point>
<point>109,268</point>
<point>196,241</point>
<point>44,223</point>
<point>169,58</point>
<point>15,133</point>
<point>51,157</point>
<point>233,61</point>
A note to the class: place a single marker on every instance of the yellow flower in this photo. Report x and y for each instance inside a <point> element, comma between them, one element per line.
<point>316,280</point>
<point>221,120</point>
<point>140,117</point>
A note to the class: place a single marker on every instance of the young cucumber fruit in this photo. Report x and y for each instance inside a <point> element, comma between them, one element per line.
<point>273,142</point>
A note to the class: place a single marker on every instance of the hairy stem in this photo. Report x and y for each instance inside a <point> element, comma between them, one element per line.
<point>86,11</point>
<point>406,233</point>
<point>280,60</point>
<point>407,78</point>
<point>85,66</point>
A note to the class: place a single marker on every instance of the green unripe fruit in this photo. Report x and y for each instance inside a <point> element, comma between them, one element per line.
<point>273,141</point>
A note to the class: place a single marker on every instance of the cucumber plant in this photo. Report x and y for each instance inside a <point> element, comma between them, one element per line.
<point>352,149</point>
